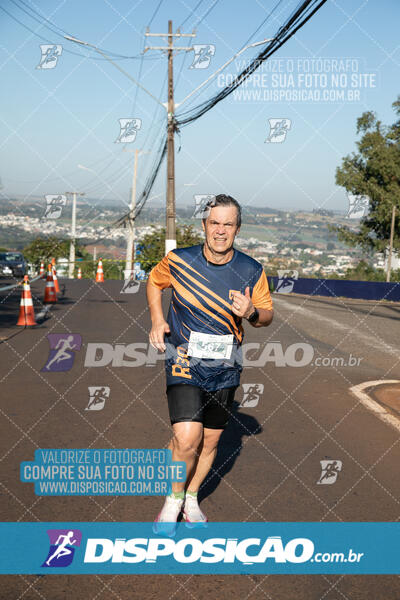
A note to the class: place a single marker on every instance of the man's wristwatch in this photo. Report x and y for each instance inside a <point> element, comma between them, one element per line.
<point>253,318</point>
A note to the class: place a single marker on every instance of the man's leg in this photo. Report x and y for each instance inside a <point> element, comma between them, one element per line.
<point>185,408</point>
<point>206,456</point>
<point>184,446</point>
<point>192,512</point>
<point>216,413</point>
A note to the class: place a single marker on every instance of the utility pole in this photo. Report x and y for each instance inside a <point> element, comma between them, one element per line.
<point>170,231</point>
<point>170,226</point>
<point>130,245</point>
<point>71,263</point>
<point>170,106</point>
<point>389,264</point>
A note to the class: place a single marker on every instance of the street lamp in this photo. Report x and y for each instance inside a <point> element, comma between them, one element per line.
<point>71,263</point>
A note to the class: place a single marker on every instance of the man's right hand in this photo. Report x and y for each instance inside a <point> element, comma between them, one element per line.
<point>156,336</point>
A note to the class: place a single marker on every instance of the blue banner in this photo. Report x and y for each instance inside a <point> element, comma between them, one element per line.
<point>111,472</point>
<point>337,288</point>
<point>224,548</point>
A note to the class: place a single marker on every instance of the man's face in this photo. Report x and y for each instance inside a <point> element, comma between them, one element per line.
<point>221,228</point>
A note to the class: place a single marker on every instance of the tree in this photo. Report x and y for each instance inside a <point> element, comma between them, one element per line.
<point>364,272</point>
<point>152,245</point>
<point>44,249</point>
<point>112,268</point>
<point>373,172</point>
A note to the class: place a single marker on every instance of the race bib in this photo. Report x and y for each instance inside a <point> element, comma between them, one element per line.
<point>206,345</point>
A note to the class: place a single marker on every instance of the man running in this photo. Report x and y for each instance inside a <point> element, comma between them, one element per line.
<point>214,287</point>
<point>62,549</point>
<point>63,346</point>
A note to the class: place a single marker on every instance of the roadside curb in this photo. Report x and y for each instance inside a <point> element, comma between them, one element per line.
<point>359,392</point>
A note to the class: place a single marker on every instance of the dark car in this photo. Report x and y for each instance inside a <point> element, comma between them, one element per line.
<point>12,264</point>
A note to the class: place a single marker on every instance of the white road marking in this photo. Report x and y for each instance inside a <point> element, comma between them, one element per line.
<point>368,402</point>
<point>364,337</point>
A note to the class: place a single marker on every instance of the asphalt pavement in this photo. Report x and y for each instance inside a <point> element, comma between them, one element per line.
<point>297,406</point>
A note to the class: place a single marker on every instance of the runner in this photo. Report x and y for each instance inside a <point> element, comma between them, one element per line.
<point>63,345</point>
<point>62,549</point>
<point>214,287</point>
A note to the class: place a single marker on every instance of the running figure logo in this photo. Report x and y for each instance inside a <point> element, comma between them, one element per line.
<point>202,55</point>
<point>278,129</point>
<point>131,286</point>
<point>128,130</point>
<point>201,211</point>
<point>287,278</point>
<point>50,55</point>
<point>54,205</point>
<point>329,471</point>
<point>358,206</point>
<point>97,397</point>
<point>62,547</point>
<point>251,394</point>
<point>62,351</point>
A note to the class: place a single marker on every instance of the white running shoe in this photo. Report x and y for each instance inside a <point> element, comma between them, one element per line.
<point>166,521</point>
<point>192,513</point>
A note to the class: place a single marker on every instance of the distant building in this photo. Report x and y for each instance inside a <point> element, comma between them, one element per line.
<point>395,262</point>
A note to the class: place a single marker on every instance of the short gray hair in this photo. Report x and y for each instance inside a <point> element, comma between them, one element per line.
<point>224,200</point>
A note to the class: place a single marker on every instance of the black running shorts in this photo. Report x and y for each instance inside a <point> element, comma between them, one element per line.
<point>191,403</point>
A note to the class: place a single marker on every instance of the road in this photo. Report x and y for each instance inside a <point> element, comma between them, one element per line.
<point>268,461</point>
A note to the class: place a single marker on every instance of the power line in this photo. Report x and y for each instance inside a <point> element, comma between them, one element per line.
<point>191,13</point>
<point>158,133</point>
<point>142,55</point>
<point>206,14</point>
<point>112,177</point>
<point>197,94</point>
<point>63,32</point>
<point>155,12</point>
<point>263,23</point>
<point>298,19</point>
<point>117,57</point>
<point>150,181</point>
<point>143,196</point>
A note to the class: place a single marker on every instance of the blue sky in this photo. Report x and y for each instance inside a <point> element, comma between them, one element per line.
<point>54,119</point>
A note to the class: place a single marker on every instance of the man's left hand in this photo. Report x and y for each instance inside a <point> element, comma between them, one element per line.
<point>242,305</point>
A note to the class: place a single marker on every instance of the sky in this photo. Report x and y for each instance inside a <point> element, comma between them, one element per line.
<point>270,151</point>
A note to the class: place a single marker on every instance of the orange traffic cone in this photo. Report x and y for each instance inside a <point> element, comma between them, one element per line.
<point>42,272</point>
<point>50,290</point>
<point>79,273</point>
<point>99,273</point>
<point>26,312</point>
<point>56,286</point>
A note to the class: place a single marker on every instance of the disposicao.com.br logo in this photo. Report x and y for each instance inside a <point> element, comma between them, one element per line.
<point>223,547</point>
<point>247,551</point>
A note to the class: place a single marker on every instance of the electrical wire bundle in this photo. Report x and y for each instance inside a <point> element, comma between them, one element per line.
<point>304,11</point>
<point>298,18</point>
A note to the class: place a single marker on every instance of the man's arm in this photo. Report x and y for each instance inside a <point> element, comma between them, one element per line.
<point>242,306</point>
<point>159,325</point>
<point>154,295</point>
<point>264,319</point>
<point>158,280</point>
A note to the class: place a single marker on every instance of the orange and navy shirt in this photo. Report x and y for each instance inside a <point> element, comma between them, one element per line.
<point>201,302</point>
